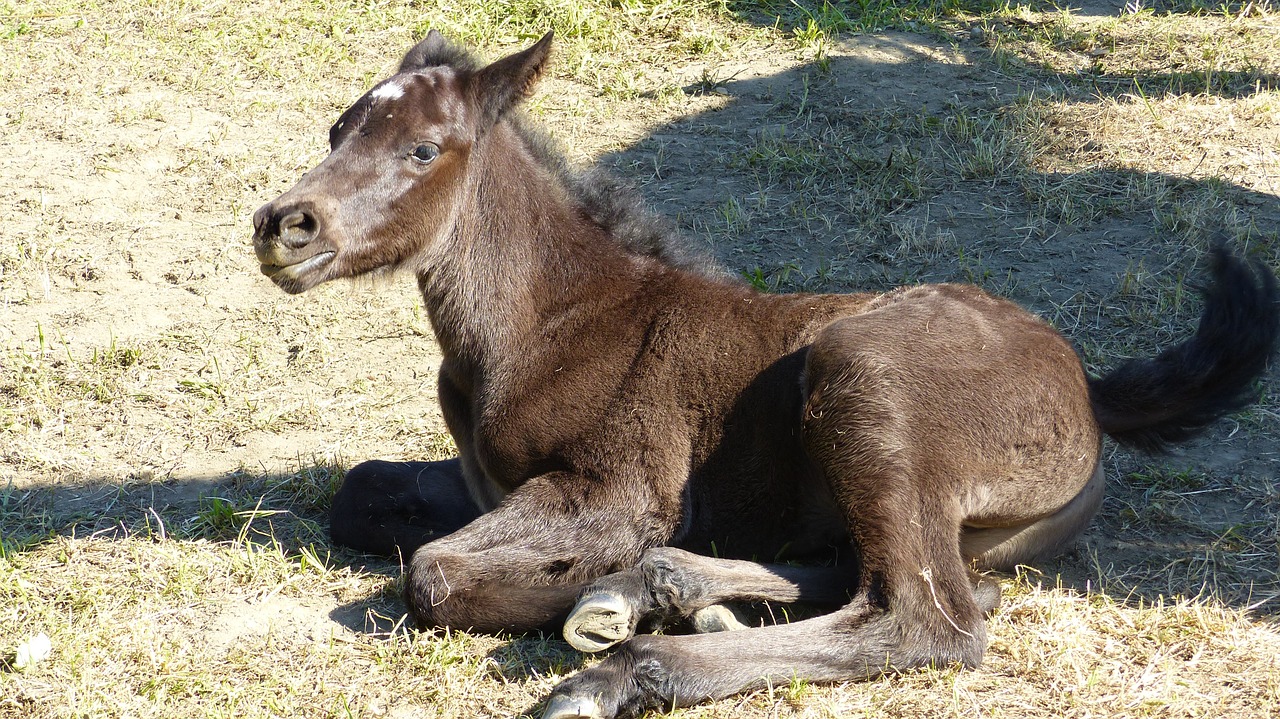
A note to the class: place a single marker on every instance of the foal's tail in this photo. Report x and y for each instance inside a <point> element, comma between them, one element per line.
<point>1150,404</point>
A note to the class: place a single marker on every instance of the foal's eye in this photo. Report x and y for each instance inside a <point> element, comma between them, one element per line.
<point>425,153</point>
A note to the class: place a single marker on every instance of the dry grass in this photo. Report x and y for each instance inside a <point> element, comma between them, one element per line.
<point>172,428</point>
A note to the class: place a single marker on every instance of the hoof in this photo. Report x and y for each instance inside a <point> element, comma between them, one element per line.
<point>597,623</point>
<point>716,618</point>
<point>560,707</point>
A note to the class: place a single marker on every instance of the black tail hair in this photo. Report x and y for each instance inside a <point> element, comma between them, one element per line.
<point>1150,404</point>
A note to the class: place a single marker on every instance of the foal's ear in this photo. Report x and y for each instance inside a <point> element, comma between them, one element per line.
<point>500,86</point>
<point>433,50</point>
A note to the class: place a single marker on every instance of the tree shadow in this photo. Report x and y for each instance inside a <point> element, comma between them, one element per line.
<point>826,177</point>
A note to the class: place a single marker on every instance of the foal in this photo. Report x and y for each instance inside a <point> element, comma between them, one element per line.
<point>620,413</point>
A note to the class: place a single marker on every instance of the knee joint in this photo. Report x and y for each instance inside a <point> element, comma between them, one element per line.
<point>434,582</point>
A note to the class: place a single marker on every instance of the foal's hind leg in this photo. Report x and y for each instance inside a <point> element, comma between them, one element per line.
<point>392,508</point>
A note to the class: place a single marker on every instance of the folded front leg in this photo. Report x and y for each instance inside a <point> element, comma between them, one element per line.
<point>670,585</point>
<point>522,565</point>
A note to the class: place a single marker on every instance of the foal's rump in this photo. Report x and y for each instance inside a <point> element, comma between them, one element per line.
<point>966,396</point>
<point>984,411</point>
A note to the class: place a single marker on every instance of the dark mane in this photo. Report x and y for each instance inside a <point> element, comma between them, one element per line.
<point>614,205</point>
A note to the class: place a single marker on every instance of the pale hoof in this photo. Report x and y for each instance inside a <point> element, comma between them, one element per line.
<point>559,707</point>
<point>716,618</point>
<point>597,623</point>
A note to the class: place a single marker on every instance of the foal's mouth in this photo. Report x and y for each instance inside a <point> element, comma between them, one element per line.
<point>290,275</point>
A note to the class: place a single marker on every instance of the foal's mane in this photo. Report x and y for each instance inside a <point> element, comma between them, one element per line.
<point>616,206</point>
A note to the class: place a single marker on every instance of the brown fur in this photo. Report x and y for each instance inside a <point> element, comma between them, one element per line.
<point>612,401</point>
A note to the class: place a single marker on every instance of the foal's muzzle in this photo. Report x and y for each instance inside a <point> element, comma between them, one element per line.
<point>286,239</point>
<point>293,226</point>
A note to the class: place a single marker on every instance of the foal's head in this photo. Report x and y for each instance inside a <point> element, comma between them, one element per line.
<point>389,188</point>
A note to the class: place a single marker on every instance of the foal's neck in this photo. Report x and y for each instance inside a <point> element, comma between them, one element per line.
<point>519,252</point>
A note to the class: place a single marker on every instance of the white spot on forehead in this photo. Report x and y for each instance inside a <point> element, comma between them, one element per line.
<point>389,90</point>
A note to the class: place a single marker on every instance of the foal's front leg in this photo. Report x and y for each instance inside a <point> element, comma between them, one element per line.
<point>522,565</point>
<point>670,584</point>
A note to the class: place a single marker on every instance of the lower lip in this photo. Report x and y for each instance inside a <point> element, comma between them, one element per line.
<point>299,269</point>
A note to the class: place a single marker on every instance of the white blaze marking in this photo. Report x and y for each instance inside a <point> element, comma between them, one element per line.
<point>389,90</point>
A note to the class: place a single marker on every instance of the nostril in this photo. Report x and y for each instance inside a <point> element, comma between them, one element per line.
<point>293,220</point>
<point>297,228</point>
